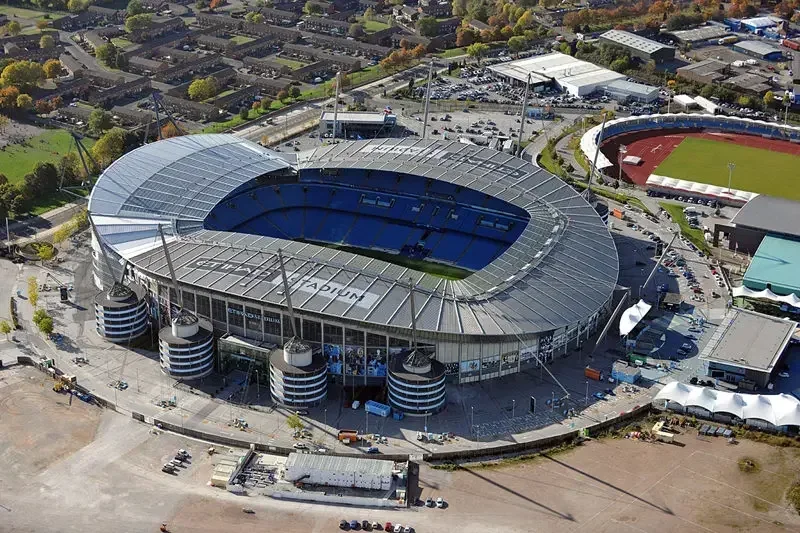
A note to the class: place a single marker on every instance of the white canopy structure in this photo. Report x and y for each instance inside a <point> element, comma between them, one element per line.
<point>693,188</point>
<point>632,316</point>
<point>777,409</point>
<point>791,299</point>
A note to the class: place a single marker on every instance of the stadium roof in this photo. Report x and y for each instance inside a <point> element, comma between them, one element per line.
<point>355,117</point>
<point>749,340</point>
<point>770,214</point>
<point>626,38</point>
<point>561,270</point>
<point>776,265</point>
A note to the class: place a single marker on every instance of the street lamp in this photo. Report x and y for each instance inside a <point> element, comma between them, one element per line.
<point>731,167</point>
<point>586,401</point>
<point>622,151</point>
<point>513,407</point>
<point>326,417</point>
<point>472,423</point>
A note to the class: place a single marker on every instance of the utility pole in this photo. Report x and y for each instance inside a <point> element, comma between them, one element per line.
<point>336,104</point>
<point>513,407</point>
<point>622,151</point>
<point>522,119</point>
<point>8,237</point>
<point>427,100</point>
<point>586,398</point>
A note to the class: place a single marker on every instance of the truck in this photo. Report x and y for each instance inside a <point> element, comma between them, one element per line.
<point>375,408</point>
<point>348,435</point>
<point>593,373</point>
<point>730,39</point>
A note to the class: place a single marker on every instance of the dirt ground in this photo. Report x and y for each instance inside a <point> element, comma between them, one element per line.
<point>17,132</point>
<point>78,468</point>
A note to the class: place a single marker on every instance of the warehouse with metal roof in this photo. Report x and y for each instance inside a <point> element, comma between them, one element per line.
<point>332,471</point>
<point>638,46</point>
<point>537,265</point>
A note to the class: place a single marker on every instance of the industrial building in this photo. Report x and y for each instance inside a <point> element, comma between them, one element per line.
<point>703,34</point>
<point>332,471</point>
<point>757,24</point>
<point>761,216</point>
<point>747,346</point>
<point>706,71</point>
<point>356,125</point>
<point>638,46</point>
<point>575,76</point>
<point>624,91</point>
<point>759,50</point>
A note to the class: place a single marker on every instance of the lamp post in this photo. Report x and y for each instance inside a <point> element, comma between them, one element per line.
<point>586,400</point>
<point>326,417</point>
<point>622,151</point>
<point>513,407</point>
<point>731,167</point>
<point>472,422</point>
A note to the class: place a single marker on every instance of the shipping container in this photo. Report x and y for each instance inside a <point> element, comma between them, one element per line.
<point>788,43</point>
<point>727,40</point>
<point>618,213</point>
<point>376,408</point>
<point>348,435</point>
<point>593,373</point>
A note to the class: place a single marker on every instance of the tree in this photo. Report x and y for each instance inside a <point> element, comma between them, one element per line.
<point>254,17</point>
<point>13,28</point>
<point>620,65</point>
<point>428,27</point>
<point>100,121</point>
<point>24,101</point>
<point>244,113</point>
<point>135,7</point>
<point>312,9</point>
<point>138,22</point>
<point>459,8</point>
<point>294,92</point>
<point>46,42</point>
<point>294,422</point>
<point>517,43</point>
<point>8,97</point>
<point>5,328</point>
<point>45,325</point>
<point>107,54</point>
<point>419,51</point>
<point>42,107</point>
<point>356,31</point>
<point>24,75</point>
<point>169,130</point>
<point>203,88</point>
<point>46,253</point>
<point>76,6</point>
<point>266,104</point>
<point>477,50</point>
<point>109,147</point>
<point>214,4</point>
<point>51,68</point>
<point>42,181</point>
<point>769,98</point>
<point>565,48</point>
<point>465,37</point>
<point>283,95</point>
<point>369,14</point>
<point>33,291</point>
<point>42,24</point>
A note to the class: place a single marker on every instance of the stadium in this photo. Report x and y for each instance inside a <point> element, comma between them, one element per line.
<point>689,154</point>
<point>506,263</point>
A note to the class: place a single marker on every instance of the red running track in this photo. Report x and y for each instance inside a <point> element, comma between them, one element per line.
<point>654,147</point>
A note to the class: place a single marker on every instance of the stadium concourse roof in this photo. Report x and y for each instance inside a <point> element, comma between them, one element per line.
<point>561,270</point>
<point>770,214</point>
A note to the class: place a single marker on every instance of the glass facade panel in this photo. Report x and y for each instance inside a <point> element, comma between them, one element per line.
<point>354,352</point>
<point>332,348</point>
<point>218,311</point>
<point>272,324</point>
<point>203,306</point>
<point>252,317</point>
<point>236,315</point>
<point>188,301</point>
<point>376,355</point>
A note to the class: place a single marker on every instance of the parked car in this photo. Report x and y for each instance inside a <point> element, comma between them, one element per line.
<point>439,502</point>
<point>343,524</point>
<point>429,502</point>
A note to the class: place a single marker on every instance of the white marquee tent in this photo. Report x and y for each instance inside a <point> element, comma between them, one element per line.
<point>777,409</point>
<point>767,294</point>
<point>631,316</point>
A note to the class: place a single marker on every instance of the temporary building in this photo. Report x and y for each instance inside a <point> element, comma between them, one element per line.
<point>632,316</point>
<point>791,299</point>
<point>775,409</point>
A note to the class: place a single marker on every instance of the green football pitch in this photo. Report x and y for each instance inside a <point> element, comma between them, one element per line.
<point>756,170</point>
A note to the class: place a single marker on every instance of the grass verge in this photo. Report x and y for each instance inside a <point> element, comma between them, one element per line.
<point>16,160</point>
<point>694,235</point>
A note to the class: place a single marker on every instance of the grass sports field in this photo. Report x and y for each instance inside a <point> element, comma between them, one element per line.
<point>17,160</point>
<point>757,170</point>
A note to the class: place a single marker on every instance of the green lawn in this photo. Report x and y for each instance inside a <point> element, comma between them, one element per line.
<point>241,39</point>
<point>121,42</point>
<point>29,14</point>
<point>48,203</point>
<point>757,170</point>
<point>291,63</point>
<point>693,234</point>
<point>17,160</point>
<point>372,26</point>
<point>452,52</point>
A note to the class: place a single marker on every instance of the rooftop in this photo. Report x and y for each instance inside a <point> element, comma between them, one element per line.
<point>330,463</point>
<point>632,40</point>
<point>777,264</point>
<point>759,22</point>
<point>771,214</point>
<point>756,47</point>
<point>632,87</point>
<point>374,118</point>
<point>703,33</point>
<point>555,66</point>
<point>750,340</point>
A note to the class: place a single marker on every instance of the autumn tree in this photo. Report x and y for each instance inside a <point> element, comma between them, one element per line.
<point>8,97</point>
<point>254,17</point>
<point>33,291</point>
<point>52,68</point>
<point>203,88</point>
<point>419,51</point>
<point>283,95</point>
<point>13,28</point>
<point>46,42</point>
<point>24,75</point>
<point>465,37</point>
<point>42,24</point>
<point>24,101</point>
<point>477,50</point>
<point>109,147</point>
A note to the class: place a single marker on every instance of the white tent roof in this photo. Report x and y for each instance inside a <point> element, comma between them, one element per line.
<point>777,409</point>
<point>692,187</point>
<point>684,100</point>
<point>791,299</point>
<point>631,316</point>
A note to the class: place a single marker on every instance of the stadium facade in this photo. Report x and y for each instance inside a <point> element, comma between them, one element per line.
<point>539,264</point>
